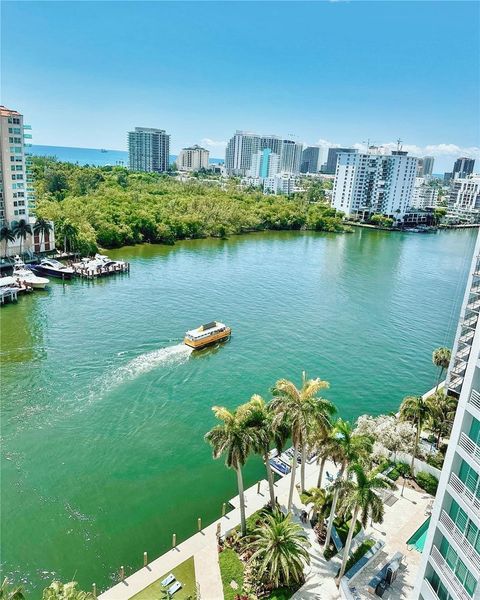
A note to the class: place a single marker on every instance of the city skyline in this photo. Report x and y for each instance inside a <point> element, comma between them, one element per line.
<point>356,91</point>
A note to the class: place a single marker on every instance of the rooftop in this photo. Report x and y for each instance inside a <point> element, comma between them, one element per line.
<point>8,112</point>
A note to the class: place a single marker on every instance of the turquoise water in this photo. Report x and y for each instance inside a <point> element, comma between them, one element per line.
<point>90,156</point>
<point>418,538</point>
<point>103,411</point>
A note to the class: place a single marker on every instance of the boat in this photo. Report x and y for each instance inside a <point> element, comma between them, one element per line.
<point>279,467</point>
<point>207,334</point>
<point>54,268</point>
<point>26,275</point>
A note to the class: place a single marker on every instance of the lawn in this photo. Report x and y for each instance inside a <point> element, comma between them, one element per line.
<point>184,573</point>
<point>231,569</point>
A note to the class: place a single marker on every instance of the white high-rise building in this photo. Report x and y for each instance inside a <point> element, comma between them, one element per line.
<point>450,567</point>
<point>240,149</point>
<point>424,194</point>
<point>464,199</point>
<point>367,183</point>
<point>282,183</point>
<point>291,156</point>
<point>148,149</point>
<point>193,159</point>
<point>17,196</point>
<point>265,163</point>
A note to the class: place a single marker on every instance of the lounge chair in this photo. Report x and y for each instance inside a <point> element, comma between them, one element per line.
<point>174,588</point>
<point>168,580</point>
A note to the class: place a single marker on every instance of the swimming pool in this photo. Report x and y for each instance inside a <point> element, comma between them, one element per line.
<point>418,538</point>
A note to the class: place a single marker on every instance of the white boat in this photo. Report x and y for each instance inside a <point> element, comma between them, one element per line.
<point>25,275</point>
<point>54,268</point>
<point>105,261</point>
<point>102,262</point>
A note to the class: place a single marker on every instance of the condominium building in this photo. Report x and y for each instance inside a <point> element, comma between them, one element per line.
<point>291,156</point>
<point>424,195</point>
<point>463,167</point>
<point>425,166</point>
<point>273,142</point>
<point>148,149</point>
<point>311,158</point>
<point>450,567</point>
<point>333,153</point>
<point>265,163</point>
<point>17,196</point>
<point>240,149</point>
<point>282,183</point>
<point>193,159</point>
<point>368,183</point>
<point>464,199</point>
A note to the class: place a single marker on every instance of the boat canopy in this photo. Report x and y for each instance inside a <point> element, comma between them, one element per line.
<point>205,330</point>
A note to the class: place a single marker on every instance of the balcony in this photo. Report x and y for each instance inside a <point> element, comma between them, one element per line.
<point>466,337</point>
<point>27,136</point>
<point>427,591</point>
<point>470,322</point>
<point>474,399</point>
<point>474,305</point>
<point>470,447</point>
<point>465,493</point>
<point>448,576</point>
<point>461,542</point>
<point>27,127</point>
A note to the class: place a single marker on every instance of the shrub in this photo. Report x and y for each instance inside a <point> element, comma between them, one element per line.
<point>436,460</point>
<point>231,568</point>
<point>427,482</point>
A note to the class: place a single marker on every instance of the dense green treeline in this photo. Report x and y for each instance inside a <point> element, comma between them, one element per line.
<point>112,207</point>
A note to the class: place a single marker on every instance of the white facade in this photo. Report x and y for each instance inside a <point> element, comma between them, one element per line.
<point>464,199</point>
<point>282,183</point>
<point>367,183</point>
<point>264,164</point>
<point>240,149</point>
<point>148,149</point>
<point>424,195</point>
<point>291,156</point>
<point>193,159</point>
<point>17,196</point>
<point>450,567</point>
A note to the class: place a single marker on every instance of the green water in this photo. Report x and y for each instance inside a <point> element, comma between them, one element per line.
<point>102,431</point>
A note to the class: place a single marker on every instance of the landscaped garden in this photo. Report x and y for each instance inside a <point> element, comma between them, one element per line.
<point>183,573</point>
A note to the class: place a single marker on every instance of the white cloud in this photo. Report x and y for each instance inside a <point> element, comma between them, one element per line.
<point>213,143</point>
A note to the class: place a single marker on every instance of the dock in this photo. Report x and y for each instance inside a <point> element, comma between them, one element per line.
<point>86,272</point>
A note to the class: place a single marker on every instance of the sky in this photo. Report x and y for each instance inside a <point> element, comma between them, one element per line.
<point>328,73</point>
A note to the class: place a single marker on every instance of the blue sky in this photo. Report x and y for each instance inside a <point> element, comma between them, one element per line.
<point>84,73</point>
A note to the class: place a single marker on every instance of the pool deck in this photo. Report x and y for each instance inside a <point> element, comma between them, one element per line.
<point>400,522</point>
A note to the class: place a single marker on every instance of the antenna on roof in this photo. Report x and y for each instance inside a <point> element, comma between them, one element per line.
<point>399,144</point>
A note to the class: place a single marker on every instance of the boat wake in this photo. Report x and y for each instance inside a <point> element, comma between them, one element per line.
<point>172,355</point>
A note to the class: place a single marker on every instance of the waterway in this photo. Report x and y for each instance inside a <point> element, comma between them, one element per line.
<point>103,412</point>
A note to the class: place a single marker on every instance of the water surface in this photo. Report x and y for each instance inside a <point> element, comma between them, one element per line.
<point>103,412</point>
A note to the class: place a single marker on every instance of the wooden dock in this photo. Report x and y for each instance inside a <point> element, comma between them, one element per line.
<point>87,272</point>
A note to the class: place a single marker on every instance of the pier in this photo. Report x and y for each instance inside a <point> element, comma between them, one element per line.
<point>93,272</point>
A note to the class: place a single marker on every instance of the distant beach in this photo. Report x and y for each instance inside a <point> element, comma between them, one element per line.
<point>91,156</point>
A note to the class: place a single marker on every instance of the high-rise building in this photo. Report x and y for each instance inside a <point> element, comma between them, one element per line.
<point>424,195</point>
<point>463,167</point>
<point>450,567</point>
<point>240,149</point>
<point>148,149</point>
<point>464,199</point>
<point>273,142</point>
<point>291,156</point>
<point>282,183</point>
<point>311,158</point>
<point>265,163</point>
<point>193,159</point>
<point>332,159</point>
<point>425,166</point>
<point>17,196</point>
<point>367,183</point>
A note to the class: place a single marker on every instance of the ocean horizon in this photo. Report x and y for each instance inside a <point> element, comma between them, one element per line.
<point>98,157</point>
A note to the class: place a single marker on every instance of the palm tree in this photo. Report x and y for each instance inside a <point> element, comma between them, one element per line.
<point>21,230</point>
<point>6,235</point>
<point>443,408</point>
<point>303,411</point>
<point>280,550</point>
<point>65,591</point>
<point>7,593</point>
<point>256,414</point>
<point>417,410</point>
<point>234,439</point>
<point>69,232</point>
<point>359,497</point>
<point>441,358</point>
<point>346,447</point>
<point>320,443</point>
<point>42,227</point>
<point>320,500</point>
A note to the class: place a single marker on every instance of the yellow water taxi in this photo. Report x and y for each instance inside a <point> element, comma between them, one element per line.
<point>207,334</point>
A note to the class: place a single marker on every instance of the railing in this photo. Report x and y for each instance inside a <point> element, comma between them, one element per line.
<point>427,589</point>
<point>461,541</point>
<point>470,322</point>
<point>474,399</point>
<point>466,493</point>
<point>450,579</point>
<point>470,447</point>
<point>473,305</point>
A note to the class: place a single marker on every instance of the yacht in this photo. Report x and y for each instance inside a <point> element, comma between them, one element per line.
<point>24,274</point>
<point>105,261</point>
<point>207,334</point>
<point>54,268</point>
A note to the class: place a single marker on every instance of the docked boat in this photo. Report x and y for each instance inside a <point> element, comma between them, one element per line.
<point>26,275</point>
<point>207,334</point>
<point>54,268</point>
